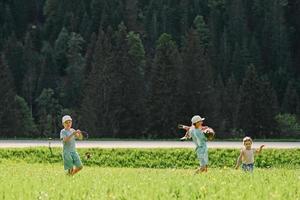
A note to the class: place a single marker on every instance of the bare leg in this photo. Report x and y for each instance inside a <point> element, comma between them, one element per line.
<point>201,169</point>
<point>70,172</point>
<point>198,171</point>
<point>76,169</point>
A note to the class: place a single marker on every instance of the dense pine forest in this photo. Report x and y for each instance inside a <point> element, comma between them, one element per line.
<point>137,68</point>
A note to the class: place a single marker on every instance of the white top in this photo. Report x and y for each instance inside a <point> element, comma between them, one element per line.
<point>248,156</point>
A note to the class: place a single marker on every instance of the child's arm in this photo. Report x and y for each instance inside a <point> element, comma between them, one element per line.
<point>260,149</point>
<point>187,134</point>
<point>68,138</point>
<point>74,133</point>
<point>239,160</point>
<point>184,127</point>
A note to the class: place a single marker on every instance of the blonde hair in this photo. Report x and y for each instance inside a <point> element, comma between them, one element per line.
<point>247,139</point>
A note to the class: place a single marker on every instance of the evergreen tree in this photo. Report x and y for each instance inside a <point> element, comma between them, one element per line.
<point>135,92</point>
<point>7,109</point>
<point>276,48</point>
<point>49,71</point>
<point>257,106</point>
<point>291,100</point>
<point>54,12</point>
<point>163,101</point>
<point>32,61</point>
<point>24,121</point>
<point>90,53</point>
<point>13,51</point>
<point>125,86</point>
<point>237,24</point>
<point>218,109</point>
<point>99,16</point>
<point>60,49</point>
<point>85,27</point>
<point>137,52</point>
<point>203,32</point>
<point>94,108</point>
<point>196,78</point>
<point>230,106</point>
<point>219,47</point>
<point>248,111</point>
<point>268,109</point>
<point>131,13</point>
<point>255,55</point>
<point>294,24</point>
<point>240,61</point>
<point>7,23</point>
<point>71,93</point>
<point>151,22</point>
<point>48,113</point>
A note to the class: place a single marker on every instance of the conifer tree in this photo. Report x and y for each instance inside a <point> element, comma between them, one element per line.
<point>7,107</point>
<point>48,113</point>
<point>14,51</point>
<point>24,122</point>
<point>72,88</point>
<point>163,101</point>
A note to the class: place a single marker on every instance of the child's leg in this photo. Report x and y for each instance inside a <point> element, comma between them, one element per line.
<point>203,168</point>
<point>68,162</point>
<point>203,159</point>
<point>77,163</point>
<point>76,169</point>
<point>70,171</point>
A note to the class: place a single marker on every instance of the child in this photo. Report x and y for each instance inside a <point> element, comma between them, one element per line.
<point>208,132</point>
<point>70,156</point>
<point>200,141</point>
<point>247,155</point>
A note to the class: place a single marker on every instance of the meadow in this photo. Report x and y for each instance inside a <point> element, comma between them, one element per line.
<point>48,181</point>
<point>35,173</point>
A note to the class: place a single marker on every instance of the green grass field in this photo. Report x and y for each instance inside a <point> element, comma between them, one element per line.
<point>21,180</point>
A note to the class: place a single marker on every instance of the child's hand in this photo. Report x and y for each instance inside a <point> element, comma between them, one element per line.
<point>77,133</point>
<point>260,149</point>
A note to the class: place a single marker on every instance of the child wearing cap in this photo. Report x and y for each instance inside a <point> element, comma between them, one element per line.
<point>246,156</point>
<point>199,140</point>
<point>72,161</point>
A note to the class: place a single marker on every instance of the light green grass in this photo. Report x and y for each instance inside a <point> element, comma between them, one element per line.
<point>48,181</point>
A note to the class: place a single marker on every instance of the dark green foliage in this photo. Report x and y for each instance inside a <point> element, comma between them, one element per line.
<point>14,51</point>
<point>71,93</point>
<point>60,49</point>
<point>257,107</point>
<point>32,62</point>
<point>95,92</point>
<point>164,88</point>
<point>7,109</point>
<point>136,68</point>
<point>24,122</point>
<point>291,100</point>
<point>288,124</point>
<point>155,158</point>
<point>49,69</point>
<point>48,113</point>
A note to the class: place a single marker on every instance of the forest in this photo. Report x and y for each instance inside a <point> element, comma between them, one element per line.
<point>137,68</point>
